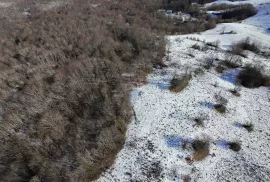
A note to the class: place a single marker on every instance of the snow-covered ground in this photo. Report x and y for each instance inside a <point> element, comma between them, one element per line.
<point>153,151</point>
<point>261,19</point>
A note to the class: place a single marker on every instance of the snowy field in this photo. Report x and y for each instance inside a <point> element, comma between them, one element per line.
<point>165,120</point>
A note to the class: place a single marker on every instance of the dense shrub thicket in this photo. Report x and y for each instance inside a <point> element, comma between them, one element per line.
<point>64,102</point>
<point>239,12</point>
<point>185,6</point>
<point>220,6</point>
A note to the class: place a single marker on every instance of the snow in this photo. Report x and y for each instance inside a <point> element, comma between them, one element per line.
<point>261,19</point>
<point>165,120</point>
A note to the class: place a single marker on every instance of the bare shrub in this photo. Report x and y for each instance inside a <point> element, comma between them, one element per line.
<point>179,83</point>
<point>231,59</point>
<point>199,121</point>
<point>220,108</point>
<point>245,45</point>
<point>251,77</point>
<point>235,146</point>
<point>249,127</point>
<point>201,149</point>
<point>211,23</point>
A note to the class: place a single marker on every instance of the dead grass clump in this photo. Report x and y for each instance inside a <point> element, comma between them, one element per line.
<point>186,179</point>
<point>201,149</point>
<point>178,84</point>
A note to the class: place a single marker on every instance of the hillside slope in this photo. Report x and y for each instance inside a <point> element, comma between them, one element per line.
<point>184,136</point>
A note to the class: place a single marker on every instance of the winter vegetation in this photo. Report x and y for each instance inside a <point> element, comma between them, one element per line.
<point>215,129</point>
<point>67,69</point>
<point>134,90</point>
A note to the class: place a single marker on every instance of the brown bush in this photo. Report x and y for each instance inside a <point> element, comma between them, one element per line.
<point>252,77</point>
<point>201,150</point>
<point>178,84</point>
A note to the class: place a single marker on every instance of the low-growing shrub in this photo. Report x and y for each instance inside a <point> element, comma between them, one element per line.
<point>196,46</point>
<point>220,108</point>
<point>186,178</point>
<point>201,149</point>
<point>252,77</point>
<point>231,60</point>
<point>211,23</point>
<point>220,68</point>
<point>179,83</point>
<point>246,45</point>
<point>199,121</point>
<point>249,127</point>
<point>235,146</point>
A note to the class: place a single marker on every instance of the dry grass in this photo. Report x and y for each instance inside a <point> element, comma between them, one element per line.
<point>201,149</point>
